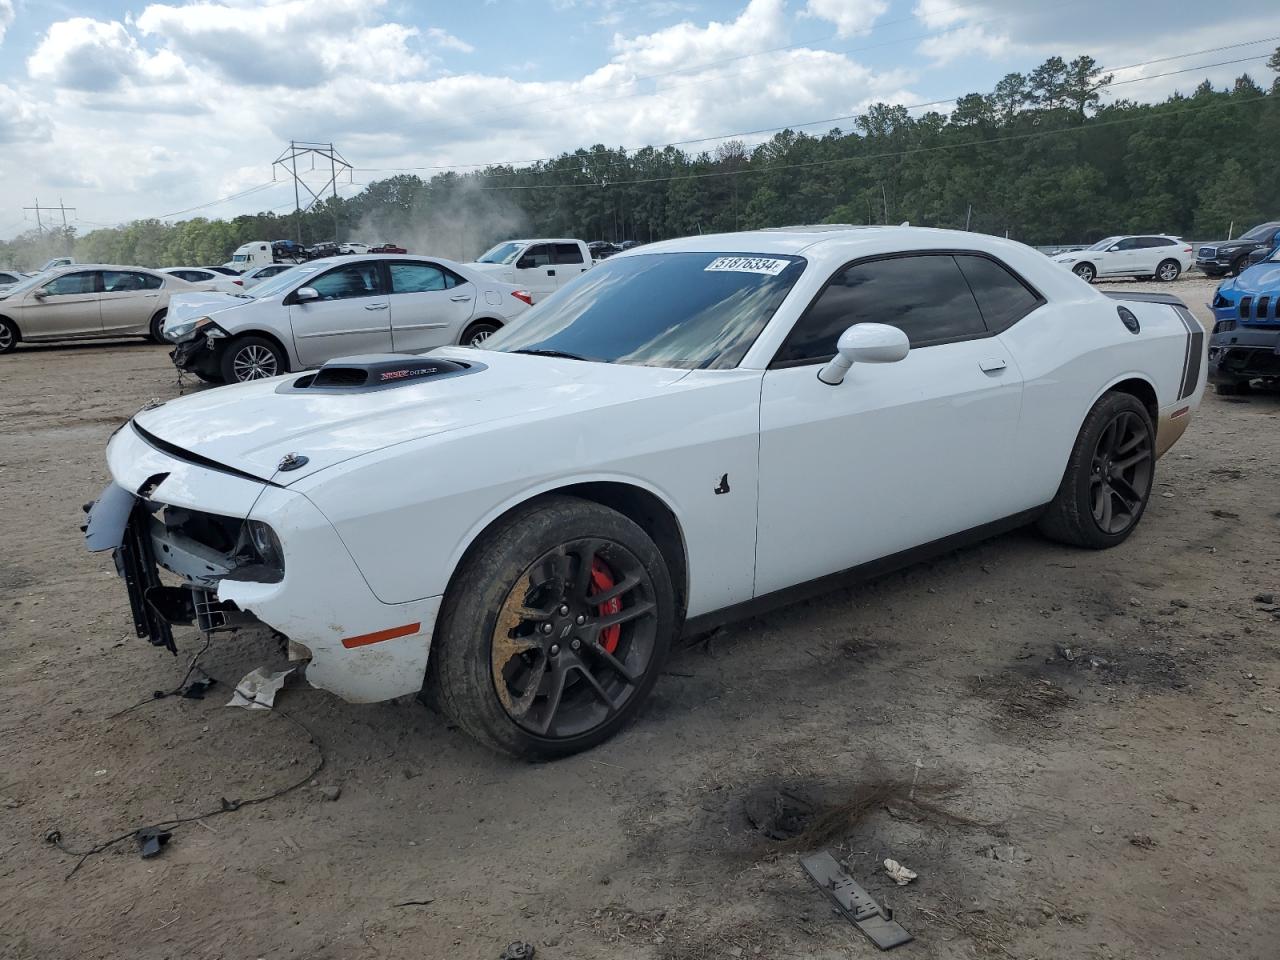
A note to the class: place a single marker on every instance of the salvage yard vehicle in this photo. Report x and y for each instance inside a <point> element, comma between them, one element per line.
<point>202,275</point>
<point>88,301</point>
<point>251,278</point>
<point>1147,257</point>
<point>539,266</point>
<point>689,433</point>
<point>1245,345</point>
<point>8,278</point>
<point>1222,257</point>
<point>337,307</point>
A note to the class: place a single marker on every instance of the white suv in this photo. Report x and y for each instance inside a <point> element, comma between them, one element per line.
<point>1149,256</point>
<point>338,307</point>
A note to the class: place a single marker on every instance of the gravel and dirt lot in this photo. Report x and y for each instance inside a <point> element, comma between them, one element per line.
<point>1074,750</point>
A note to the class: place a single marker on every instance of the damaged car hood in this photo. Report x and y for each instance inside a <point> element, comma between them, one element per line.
<point>251,427</point>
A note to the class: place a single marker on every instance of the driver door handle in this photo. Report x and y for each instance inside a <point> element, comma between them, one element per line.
<point>993,365</point>
<point>375,306</point>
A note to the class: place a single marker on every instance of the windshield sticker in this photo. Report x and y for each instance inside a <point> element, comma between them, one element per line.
<point>765,265</point>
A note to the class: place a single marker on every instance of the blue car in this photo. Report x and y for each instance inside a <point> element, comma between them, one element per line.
<point>1245,344</point>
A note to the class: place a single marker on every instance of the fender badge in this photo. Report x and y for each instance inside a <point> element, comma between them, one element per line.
<point>291,461</point>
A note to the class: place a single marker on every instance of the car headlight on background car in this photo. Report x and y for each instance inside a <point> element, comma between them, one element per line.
<point>1066,259</point>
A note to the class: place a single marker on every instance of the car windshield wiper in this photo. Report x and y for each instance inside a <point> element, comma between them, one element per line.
<point>551,353</point>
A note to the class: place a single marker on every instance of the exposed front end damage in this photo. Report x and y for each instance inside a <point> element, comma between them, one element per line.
<point>217,550</point>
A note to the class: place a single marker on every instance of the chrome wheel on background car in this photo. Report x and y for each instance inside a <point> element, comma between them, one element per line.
<point>478,333</point>
<point>574,638</point>
<point>8,336</point>
<point>1085,272</point>
<point>1168,271</point>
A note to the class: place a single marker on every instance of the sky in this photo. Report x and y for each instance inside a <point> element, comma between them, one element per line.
<point>178,109</point>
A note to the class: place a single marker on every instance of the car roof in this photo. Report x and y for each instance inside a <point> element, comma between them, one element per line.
<point>366,257</point>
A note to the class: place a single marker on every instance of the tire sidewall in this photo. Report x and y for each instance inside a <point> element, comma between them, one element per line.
<point>14,337</point>
<point>461,658</point>
<point>1176,267</point>
<point>1079,271</point>
<point>226,364</point>
<point>1103,412</point>
<point>156,330</point>
<point>472,329</point>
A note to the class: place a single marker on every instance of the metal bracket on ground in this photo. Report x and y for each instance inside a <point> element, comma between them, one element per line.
<point>858,906</point>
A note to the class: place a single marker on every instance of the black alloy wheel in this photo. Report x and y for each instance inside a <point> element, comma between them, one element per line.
<point>1121,473</point>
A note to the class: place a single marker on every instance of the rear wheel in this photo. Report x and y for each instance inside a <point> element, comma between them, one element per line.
<point>1232,389</point>
<point>1109,476</point>
<point>252,358</point>
<point>157,327</point>
<point>554,630</point>
<point>1085,272</point>
<point>9,335</point>
<point>1168,271</point>
<point>479,332</point>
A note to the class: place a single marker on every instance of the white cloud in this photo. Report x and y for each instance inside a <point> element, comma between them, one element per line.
<point>20,120</point>
<point>6,17</point>
<point>447,41</point>
<point>851,17</point>
<point>97,55</point>
<point>937,14</point>
<point>965,41</point>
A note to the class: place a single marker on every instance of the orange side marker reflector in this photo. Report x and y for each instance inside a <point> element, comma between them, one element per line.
<point>365,639</point>
<point>1180,412</point>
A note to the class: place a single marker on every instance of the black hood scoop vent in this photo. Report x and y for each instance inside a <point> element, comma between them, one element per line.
<point>378,372</point>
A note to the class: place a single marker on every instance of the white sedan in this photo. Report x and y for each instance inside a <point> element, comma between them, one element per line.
<point>335,307</point>
<point>1148,257</point>
<point>206,278</point>
<point>688,433</point>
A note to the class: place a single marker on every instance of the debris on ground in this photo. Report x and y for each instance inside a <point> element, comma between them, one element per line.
<point>1265,598</point>
<point>518,950</point>
<point>898,873</point>
<point>258,689</point>
<point>1006,854</point>
<point>858,907</point>
<point>1142,841</point>
<point>197,685</point>
<point>151,841</point>
<point>330,792</point>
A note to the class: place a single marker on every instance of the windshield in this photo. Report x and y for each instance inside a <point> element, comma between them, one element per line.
<point>685,310</point>
<point>502,253</point>
<point>1103,244</point>
<point>1261,232</point>
<point>280,282</point>
<point>22,286</point>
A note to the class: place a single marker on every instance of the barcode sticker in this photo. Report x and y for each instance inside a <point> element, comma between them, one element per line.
<point>765,265</point>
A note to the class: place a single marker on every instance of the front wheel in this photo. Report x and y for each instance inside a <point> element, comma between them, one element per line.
<point>554,629</point>
<point>251,358</point>
<point>1168,271</point>
<point>1109,476</point>
<point>1085,272</point>
<point>1240,266</point>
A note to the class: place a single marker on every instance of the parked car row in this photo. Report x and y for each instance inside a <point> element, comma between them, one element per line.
<point>1245,344</point>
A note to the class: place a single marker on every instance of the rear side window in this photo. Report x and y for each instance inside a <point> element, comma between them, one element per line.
<point>416,278</point>
<point>568,253</point>
<point>1002,297</point>
<point>126,281</point>
<point>926,296</point>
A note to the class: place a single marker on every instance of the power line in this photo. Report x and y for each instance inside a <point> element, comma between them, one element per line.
<point>883,156</point>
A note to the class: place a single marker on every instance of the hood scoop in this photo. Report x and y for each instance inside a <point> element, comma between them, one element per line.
<point>378,372</point>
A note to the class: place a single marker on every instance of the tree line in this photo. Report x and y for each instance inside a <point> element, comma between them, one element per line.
<point>1040,158</point>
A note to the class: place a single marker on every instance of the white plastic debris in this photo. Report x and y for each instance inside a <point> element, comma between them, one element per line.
<point>899,874</point>
<point>258,689</point>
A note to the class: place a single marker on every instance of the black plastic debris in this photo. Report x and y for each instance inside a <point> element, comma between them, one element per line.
<point>197,684</point>
<point>518,950</point>
<point>151,841</point>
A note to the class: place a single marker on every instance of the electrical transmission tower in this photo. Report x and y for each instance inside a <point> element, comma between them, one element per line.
<point>61,208</point>
<point>288,162</point>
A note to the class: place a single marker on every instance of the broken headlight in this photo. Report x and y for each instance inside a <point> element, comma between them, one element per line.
<point>266,544</point>
<point>259,556</point>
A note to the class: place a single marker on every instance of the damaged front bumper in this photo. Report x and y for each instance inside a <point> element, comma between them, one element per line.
<point>240,551</point>
<point>199,354</point>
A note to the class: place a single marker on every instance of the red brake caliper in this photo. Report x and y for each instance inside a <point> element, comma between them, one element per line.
<point>602,580</point>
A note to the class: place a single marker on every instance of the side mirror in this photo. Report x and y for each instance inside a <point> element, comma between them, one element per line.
<point>303,294</point>
<point>524,263</point>
<point>1113,249</point>
<point>1259,255</point>
<point>40,294</point>
<point>864,343</point>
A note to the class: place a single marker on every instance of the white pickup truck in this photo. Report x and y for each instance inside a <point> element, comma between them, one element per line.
<point>539,266</point>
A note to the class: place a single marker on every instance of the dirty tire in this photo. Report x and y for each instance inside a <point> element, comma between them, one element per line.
<point>1168,271</point>
<point>1233,389</point>
<point>9,335</point>
<point>156,333</point>
<point>251,358</point>
<point>478,332</point>
<point>1070,517</point>
<point>1085,272</point>
<point>498,571</point>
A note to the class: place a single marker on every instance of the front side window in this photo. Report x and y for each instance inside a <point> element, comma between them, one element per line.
<point>416,278</point>
<point>538,255</point>
<point>686,310</point>
<point>1104,244</point>
<point>568,253</point>
<point>71,284</point>
<point>1128,243</point>
<point>349,281</point>
<point>924,295</point>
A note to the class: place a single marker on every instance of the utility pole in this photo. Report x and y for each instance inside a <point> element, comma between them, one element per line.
<point>288,161</point>
<point>60,208</point>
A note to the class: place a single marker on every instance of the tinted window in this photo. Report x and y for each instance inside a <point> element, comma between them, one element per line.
<point>350,280</point>
<point>568,253</point>
<point>416,278</point>
<point>1128,243</point>
<point>1002,297</point>
<point>126,281</point>
<point>1157,242</point>
<point>685,310</point>
<point>536,256</point>
<point>70,284</point>
<point>8,278</point>
<point>925,296</point>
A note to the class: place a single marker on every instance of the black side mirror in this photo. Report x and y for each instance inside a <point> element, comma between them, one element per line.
<point>524,263</point>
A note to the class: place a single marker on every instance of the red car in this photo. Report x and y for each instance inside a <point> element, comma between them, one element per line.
<point>387,248</point>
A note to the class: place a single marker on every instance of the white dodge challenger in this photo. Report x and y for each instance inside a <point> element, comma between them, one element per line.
<point>685,434</point>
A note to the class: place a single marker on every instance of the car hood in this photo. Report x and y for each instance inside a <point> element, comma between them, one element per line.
<point>184,306</point>
<point>1260,279</point>
<point>497,269</point>
<point>251,426</point>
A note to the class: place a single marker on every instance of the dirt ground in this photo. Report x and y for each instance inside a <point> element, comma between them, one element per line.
<point>1091,738</point>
